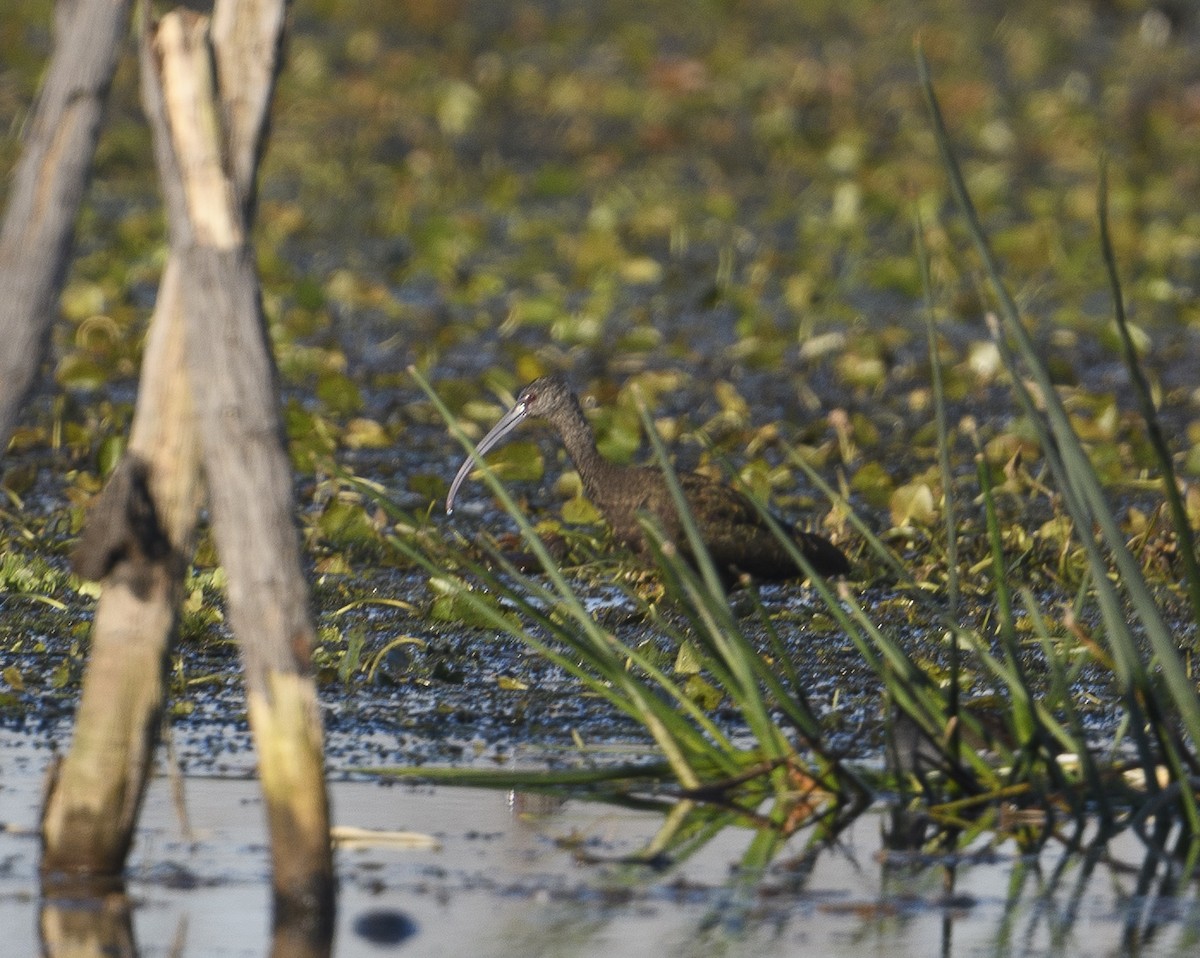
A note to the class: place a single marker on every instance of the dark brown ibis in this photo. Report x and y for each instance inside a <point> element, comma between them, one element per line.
<point>737,537</point>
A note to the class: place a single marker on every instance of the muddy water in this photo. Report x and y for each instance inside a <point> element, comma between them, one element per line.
<point>501,880</point>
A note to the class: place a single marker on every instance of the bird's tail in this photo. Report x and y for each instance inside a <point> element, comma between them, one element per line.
<point>825,557</point>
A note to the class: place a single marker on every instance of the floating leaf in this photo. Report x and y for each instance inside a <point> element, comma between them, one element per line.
<point>687,661</point>
<point>345,522</point>
<point>913,503</point>
<point>579,511</point>
<point>339,393</point>
<point>457,107</point>
<point>19,479</point>
<point>622,435</point>
<point>310,437</point>
<point>428,485</point>
<point>641,270</point>
<point>365,434</point>
<point>333,565</point>
<point>702,692</point>
<point>459,608</point>
<point>77,371</point>
<point>307,291</point>
<point>519,461</point>
<point>109,453</point>
<point>864,372</point>
<point>873,483</point>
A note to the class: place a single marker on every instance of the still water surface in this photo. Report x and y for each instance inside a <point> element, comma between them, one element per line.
<point>504,881</point>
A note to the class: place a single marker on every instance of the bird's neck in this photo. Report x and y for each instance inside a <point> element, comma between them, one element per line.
<point>580,442</point>
<point>595,472</point>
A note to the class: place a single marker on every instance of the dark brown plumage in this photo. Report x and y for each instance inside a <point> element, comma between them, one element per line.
<point>732,528</point>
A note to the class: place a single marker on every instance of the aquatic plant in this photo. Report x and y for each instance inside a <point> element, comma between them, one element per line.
<point>788,760</point>
<point>1156,689</point>
<point>1025,747</point>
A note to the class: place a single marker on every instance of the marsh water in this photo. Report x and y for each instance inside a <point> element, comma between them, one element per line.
<point>500,875</point>
<point>713,202</point>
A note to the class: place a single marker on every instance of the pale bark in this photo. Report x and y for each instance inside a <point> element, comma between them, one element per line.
<point>247,38</point>
<point>245,460</point>
<point>91,812</point>
<point>209,401</point>
<point>47,189</point>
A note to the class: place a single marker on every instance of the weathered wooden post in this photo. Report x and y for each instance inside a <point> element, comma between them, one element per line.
<point>47,189</point>
<point>244,459</point>
<point>208,405</point>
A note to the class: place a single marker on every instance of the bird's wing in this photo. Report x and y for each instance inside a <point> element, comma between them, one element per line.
<point>719,505</point>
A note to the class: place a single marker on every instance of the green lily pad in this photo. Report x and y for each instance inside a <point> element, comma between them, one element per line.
<point>365,434</point>
<point>345,522</point>
<point>687,661</point>
<point>914,502</point>
<point>579,511</point>
<point>519,461</point>
<point>456,607</point>
<point>339,393</point>
<point>703,692</point>
<point>873,483</point>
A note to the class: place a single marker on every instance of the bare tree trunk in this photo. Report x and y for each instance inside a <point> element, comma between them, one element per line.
<point>47,189</point>
<point>246,45</point>
<point>138,537</point>
<point>91,812</point>
<point>244,459</point>
<point>208,398</point>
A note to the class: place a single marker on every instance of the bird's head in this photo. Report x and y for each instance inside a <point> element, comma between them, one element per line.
<point>548,397</point>
<point>543,398</point>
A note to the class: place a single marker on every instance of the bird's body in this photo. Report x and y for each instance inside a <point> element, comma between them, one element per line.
<point>731,526</point>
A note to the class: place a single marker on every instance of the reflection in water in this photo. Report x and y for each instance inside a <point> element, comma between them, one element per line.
<point>299,939</point>
<point>571,878</point>
<point>80,926</point>
<point>81,921</point>
<point>1050,905</point>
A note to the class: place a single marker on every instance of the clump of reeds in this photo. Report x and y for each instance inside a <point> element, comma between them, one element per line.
<point>1028,748</point>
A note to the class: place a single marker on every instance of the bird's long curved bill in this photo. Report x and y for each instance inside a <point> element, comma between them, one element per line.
<point>508,422</point>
